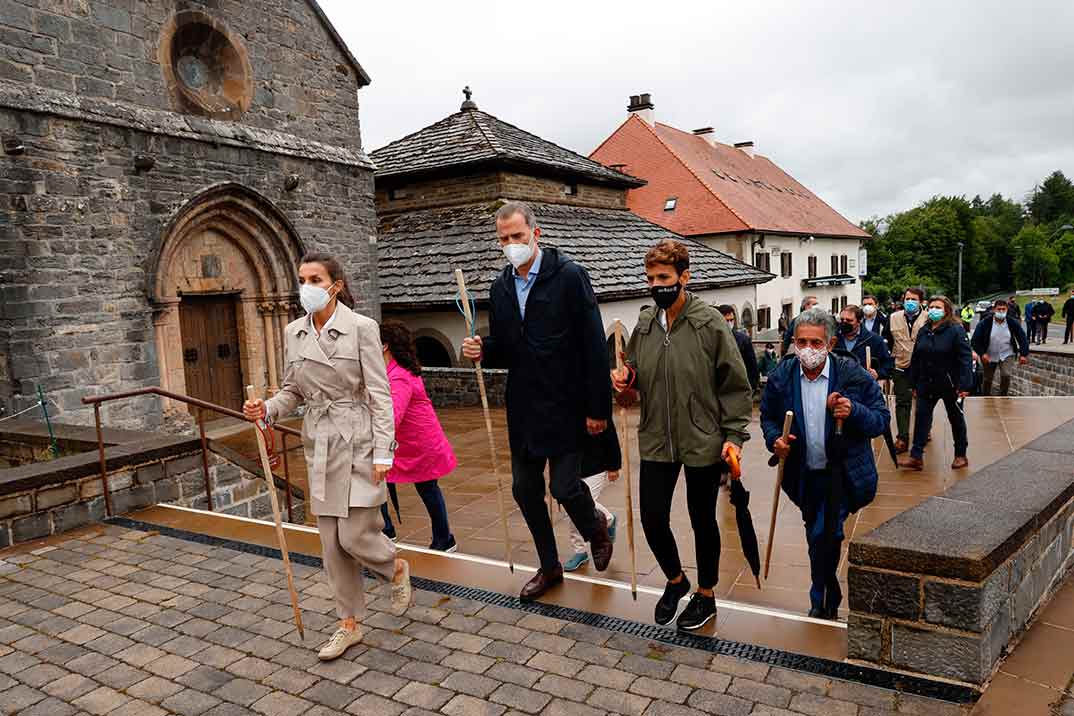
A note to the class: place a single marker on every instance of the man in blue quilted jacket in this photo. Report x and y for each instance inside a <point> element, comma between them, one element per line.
<point>822,388</point>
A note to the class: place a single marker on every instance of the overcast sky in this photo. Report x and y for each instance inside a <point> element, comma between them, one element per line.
<point>872,105</point>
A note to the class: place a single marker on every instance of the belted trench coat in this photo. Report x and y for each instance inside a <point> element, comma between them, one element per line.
<point>341,379</point>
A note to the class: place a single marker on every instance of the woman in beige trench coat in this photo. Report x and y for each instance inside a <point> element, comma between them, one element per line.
<point>335,366</point>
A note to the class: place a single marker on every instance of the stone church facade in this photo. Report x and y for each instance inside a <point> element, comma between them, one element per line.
<point>164,166</point>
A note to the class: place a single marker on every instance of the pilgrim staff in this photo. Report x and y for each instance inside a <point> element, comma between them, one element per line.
<point>626,467</point>
<point>335,366</point>
<point>467,312</point>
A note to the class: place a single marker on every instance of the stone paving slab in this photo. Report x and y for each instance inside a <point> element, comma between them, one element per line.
<point>179,633</point>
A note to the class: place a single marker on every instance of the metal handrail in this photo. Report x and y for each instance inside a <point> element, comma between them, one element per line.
<point>202,405</point>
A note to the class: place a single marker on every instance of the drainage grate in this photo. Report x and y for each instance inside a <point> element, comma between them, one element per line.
<point>751,652</point>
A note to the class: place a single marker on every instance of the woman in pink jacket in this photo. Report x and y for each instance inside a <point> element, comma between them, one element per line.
<point>423,454</point>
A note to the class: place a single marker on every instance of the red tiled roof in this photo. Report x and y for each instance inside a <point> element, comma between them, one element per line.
<point>720,189</point>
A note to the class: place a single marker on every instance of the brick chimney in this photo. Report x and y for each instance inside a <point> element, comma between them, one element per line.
<point>747,147</point>
<point>708,134</point>
<point>642,105</point>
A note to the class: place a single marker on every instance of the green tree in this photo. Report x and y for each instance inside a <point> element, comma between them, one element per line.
<point>1064,250</point>
<point>1036,264</point>
<point>1052,199</point>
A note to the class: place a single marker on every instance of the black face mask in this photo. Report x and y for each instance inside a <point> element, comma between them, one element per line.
<point>847,328</point>
<point>665,296</point>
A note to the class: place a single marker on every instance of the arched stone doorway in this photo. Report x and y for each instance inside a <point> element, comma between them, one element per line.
<point>223,289</point>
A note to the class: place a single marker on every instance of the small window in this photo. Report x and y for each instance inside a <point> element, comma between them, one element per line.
<point>786,264</point>
<point>669,205</point>
<point>570,189</point>
<point>843,302</point>
<point>812,267</point>
<point>843,264</point>
<point>835,264</point>
<point>764,319</point>
<point>835,306</point>
<point>395,194</point>
<point>763,261</point>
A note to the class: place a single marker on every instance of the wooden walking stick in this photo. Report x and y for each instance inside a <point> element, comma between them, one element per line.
<point>280,537</point>
<point>626,468</point>
<point>464,301</point>
<point>787,419</point>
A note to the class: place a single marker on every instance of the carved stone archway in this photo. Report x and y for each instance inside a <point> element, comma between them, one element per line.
<point>232,243</point>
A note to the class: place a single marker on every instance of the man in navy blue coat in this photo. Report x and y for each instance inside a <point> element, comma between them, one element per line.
<point>855,338</point>
<point>545,328</point>
<point>822,388</point>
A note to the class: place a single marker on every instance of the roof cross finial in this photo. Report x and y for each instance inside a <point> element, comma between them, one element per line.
<point>468,103</point>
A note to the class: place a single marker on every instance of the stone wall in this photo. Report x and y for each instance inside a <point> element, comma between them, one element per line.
<point>303,84</point>
<point>42,499</point>
<point>457,387</point>
<point>84,227</point>
<point>1047,373</point>
<point>944,588</point>
<point>490,186</point>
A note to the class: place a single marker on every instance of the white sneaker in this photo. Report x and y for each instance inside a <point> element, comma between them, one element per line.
<point>342,640</point>
<point>401,592</point>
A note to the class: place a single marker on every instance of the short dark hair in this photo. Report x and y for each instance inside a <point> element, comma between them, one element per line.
<point>867,297</point>
<point>1000,302</point>
<point>917,291</point>
<point>669,252</point>
<point>769,345</point>
<point>511,208</point>
<point>856,310</point>
<point>725,309</point>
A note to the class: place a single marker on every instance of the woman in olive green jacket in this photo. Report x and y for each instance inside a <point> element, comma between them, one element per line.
<point>695,410</point>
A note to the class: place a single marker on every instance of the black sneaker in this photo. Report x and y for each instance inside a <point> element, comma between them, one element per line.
<point>669,602</point>
<point>699,611</point>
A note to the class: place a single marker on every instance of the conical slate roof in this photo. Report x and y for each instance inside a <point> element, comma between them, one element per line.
<point>471,138</point>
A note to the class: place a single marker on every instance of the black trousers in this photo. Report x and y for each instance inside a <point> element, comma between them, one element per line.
<point>657,483</point>
<point>1068,335</point>
<point>926,405</point>
<point>527,485</point>
<point>1042,330</point>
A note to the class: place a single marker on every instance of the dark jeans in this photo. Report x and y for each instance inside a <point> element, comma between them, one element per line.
<point>818,511</point>
<point>926,404</point>
<point>527,472</point>
<point>1042,330</point>
<point>1031,330</point>
<point>430,494</point>
<point>657,483</point>
<point>904,401</point>
<point>1068,335</point>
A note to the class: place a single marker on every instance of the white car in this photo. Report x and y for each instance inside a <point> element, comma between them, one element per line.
<point>983,306</point>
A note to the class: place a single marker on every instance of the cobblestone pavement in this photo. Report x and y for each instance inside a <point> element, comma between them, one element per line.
<point>132,623</point>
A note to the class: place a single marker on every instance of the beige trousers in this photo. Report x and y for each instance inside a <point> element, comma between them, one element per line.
<point>348,544</point>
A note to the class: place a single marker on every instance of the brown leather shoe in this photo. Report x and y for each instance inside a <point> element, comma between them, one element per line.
<point>960,462</point>
<point>912,463</point>
<point>541,583</point>
<point>901,446</point>
<point>601,544</point>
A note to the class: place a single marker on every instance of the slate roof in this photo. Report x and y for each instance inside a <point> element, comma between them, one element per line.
<point>721,188</point>
<point>420,250</point>
<point>471,138</point>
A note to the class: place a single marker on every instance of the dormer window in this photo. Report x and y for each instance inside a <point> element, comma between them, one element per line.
<point>669,205</point>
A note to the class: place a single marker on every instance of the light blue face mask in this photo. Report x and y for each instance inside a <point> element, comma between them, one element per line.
<point>911,306</point>
<point>936,314</point>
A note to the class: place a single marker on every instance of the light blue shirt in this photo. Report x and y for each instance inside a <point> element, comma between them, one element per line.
<point>851,342</point>
<point>815,407</point>
<point>524,284</point>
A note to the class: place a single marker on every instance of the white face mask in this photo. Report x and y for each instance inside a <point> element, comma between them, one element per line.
<point>518,254</point>
<point>812,358</point>
<point>313,298</point>
<point>869,310</point>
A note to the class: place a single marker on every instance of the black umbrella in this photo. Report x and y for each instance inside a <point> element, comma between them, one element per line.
<point>890,442</point>
<point>740,498</point>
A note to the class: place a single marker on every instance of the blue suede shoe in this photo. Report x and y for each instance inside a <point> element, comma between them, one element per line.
<point>611,528</point>
<point>576,561</point>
